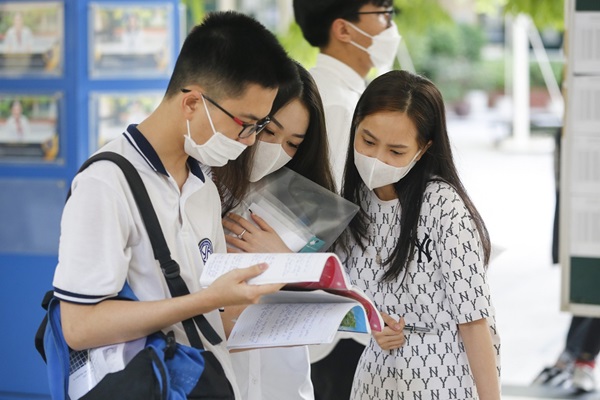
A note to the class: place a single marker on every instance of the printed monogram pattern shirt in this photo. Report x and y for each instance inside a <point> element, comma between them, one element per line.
<point>445,285</point>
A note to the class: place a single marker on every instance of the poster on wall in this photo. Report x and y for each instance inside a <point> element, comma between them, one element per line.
<point>31,38</point>
<point>29,129</point>
<point>113,112</point>
<point>130,41</point>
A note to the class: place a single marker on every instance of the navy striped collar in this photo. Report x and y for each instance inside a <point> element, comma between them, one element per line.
<point>143,146</point>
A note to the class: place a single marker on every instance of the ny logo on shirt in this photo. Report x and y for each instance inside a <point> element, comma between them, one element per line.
<point>424,247</point>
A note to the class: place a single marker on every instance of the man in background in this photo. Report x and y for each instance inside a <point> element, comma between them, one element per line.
<point>353,36</point>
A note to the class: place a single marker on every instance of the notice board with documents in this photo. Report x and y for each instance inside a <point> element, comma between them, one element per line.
<point>580,164</point>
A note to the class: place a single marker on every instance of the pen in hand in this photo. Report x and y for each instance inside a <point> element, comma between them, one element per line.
<point>417,329</point>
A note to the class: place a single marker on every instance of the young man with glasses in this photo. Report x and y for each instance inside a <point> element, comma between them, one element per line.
<point>353,36</point>
<point>220,93</point>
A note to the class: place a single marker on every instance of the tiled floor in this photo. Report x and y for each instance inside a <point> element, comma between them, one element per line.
<point>514,191</point>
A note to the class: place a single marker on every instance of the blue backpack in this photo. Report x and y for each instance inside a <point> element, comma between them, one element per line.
<point>164,369</point>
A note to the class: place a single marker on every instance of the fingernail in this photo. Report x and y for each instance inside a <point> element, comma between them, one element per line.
<point>397,327</point>
<point>263,266</point>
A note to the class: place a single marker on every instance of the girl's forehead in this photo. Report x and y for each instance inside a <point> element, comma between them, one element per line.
<point>389,126</point>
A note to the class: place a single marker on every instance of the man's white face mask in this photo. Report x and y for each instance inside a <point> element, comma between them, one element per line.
<point>268,158</point>
<point>383,48</point>
<point>217,151</point>
<point>376,174</point>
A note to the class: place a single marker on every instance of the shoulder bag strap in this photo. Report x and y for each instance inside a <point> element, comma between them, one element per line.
<point>169,267</point>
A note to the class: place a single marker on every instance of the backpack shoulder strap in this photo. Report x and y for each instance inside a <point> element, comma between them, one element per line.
<point>39,334</point>
<point>169,267</point>
<point>161,251</point>
<point>140,194</point>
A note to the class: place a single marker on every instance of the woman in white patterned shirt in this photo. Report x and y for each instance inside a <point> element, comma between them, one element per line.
<point>419,248</point>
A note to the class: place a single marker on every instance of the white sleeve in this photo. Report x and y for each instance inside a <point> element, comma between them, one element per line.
<point>94,249</point>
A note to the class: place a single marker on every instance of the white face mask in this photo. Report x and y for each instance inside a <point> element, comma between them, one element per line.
<point>376,174</point>
<point>268,158</point>
<point>383,48</point>
<point>217,151</point>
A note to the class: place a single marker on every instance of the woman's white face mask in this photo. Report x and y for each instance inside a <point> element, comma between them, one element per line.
<point>268,158</point>
<point>376,174</point>
<point>217,151</point>
<point>383,48</point>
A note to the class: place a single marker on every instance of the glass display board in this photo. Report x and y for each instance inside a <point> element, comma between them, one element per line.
<point>31,38</point>
<point>29,127</point>
<point>113,112</point>
<point>130,41</point>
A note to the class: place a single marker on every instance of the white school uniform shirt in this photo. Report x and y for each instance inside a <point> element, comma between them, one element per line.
<point>340,88</point>
<point>104,243</point>
<point>274,373</point>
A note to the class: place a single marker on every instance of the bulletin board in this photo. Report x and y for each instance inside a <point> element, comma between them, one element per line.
<point>580,188</point>
<point>73,75</point>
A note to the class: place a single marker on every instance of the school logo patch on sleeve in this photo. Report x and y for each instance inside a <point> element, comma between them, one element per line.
<point>206,249</point>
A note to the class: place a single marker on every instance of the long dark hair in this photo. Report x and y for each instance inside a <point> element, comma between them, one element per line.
<point>311,159</point>
<point>421,101</point>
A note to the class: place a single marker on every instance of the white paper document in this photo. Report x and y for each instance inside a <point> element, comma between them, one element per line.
<point>288,324</point>
<point>586,31</point>
<point>283,268</point>
<point>585,226</point>
<point>88,367</point>
<point>294,235</point>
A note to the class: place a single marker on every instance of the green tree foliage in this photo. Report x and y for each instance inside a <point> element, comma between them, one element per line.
<point>194,12</point>
<point>298,48</point>
<point>545,13</point>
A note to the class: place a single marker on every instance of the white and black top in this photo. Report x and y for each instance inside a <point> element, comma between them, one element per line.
<point>445,285</point>
<point>104,243</point>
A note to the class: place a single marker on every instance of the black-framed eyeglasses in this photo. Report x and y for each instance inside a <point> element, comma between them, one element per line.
<point>247,128</point>
<point>389,13</point>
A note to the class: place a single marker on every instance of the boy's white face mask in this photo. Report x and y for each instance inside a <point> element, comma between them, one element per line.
<point>268,158</point>
<point>217,151</point>
<point>383,48</point>
<point>376,174</point>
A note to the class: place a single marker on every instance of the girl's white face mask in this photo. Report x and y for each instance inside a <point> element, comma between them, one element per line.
<point>383,48</point>
<point>217,151</point>
<point>376,174</point>
<point>268,158</point>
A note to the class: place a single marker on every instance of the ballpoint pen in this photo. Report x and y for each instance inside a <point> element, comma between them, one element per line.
<point>418,329</point>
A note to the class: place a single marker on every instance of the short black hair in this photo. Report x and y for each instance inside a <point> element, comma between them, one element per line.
<point>316,16</point>
<point>228,51</point>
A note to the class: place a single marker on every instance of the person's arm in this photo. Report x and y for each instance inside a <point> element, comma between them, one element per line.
<point>482,358</point>
<point>114,321</point>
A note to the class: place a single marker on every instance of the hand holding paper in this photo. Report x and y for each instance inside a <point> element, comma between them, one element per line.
<point>235,284</point>
<point>319,300</point>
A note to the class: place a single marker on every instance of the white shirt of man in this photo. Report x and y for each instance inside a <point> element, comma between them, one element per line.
<point>340,88</point>
<point>104,242</point>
